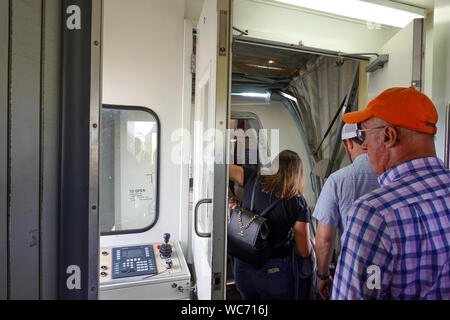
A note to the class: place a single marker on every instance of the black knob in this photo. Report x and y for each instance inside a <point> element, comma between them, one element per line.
<point>165,251</point>
<point>104,267</point>
<point>166,248</point>
<point>166,237</point>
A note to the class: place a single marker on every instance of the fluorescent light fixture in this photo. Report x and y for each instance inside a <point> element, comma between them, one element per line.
<point>253,95</point>
<point>264,67</point>
<point>373,11</point>
<point>288,96</point>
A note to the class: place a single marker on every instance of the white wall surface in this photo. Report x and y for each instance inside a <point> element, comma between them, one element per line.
<point>289,24</point>
<point>143,66</point>
<point>398,71</point>
<point>428,68</point>
<point>193,9</point>
<point>276,116</point>
<point>441,67</point>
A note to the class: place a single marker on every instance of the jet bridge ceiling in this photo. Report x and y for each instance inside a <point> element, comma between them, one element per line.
<point>261,68</point>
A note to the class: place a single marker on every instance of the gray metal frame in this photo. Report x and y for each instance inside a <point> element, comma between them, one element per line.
<point>95,109</point>
<point>223,113</point>
<point>25,114</point>
<point>4,79</point>
<point>50,116</point>
<point>447,137</point>
<point>29,129</point>
<point>298,48</point>
<point>418,53</point>
<point>80,118</point>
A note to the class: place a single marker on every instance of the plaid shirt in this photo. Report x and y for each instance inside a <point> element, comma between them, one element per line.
<point>397,239</point>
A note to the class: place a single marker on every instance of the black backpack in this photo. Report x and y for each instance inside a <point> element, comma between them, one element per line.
<point>248,234</point>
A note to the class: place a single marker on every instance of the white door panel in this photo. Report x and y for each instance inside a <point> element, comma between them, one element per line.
<point>210,178</point>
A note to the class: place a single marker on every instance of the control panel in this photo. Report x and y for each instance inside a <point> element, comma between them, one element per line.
<point>143,260</point>
<point>147,271</point>
<point>133,261</point>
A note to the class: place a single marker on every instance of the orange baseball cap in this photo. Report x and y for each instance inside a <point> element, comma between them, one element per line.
<point>404,107</point>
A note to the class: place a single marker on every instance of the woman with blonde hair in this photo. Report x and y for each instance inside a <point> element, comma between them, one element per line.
<point>275,279</point>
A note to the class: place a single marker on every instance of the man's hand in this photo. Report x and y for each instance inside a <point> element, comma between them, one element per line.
<point>325,238</point>
<point>324,288</point>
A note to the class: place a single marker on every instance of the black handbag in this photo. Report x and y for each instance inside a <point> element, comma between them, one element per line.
<point>248,234</point>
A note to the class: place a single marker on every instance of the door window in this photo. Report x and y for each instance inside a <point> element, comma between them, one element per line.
<point>129,161</point>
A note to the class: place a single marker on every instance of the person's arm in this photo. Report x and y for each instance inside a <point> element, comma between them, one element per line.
<point>325,238</point>
<point>237,174</point>
<point>302,244</point>
<point>327,214</point>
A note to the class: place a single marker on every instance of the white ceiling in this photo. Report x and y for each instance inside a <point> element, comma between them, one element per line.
<point>425,4</point>
<point>192,9</point>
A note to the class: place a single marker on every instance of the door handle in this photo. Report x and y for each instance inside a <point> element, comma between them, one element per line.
<point>199,203</point>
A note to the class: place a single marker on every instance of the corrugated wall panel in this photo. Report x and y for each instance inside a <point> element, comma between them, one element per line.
<point>51,105</point>
<point>25,76</point>
<point>4,49</point>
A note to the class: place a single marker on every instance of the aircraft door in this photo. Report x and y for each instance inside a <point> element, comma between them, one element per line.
<point>210,171</point>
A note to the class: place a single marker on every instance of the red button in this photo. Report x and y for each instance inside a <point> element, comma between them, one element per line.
<point>159,246</point>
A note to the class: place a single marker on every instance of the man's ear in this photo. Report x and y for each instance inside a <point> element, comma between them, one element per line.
<point>347,145</point>
<point>390,136</point>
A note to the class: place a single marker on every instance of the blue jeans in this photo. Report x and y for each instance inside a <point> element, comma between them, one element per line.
<point>302,274</point>
<point>273,281</point>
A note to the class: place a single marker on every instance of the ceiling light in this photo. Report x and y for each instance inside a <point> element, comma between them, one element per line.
<point>271,62</point>
<point>378,11</point>
<point>253,95</point>
<point>288,96</point>
<point>265,67</point>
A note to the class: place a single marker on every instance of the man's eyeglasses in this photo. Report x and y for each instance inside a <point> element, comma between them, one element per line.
<point>361,133</point>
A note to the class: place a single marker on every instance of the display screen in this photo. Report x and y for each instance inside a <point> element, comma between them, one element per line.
<point>133,253</point>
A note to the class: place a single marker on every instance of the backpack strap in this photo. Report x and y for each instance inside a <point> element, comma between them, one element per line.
<point>252,203</point>
<point>269,208</point>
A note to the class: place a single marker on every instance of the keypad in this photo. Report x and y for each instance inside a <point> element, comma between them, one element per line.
<point>133,261</point>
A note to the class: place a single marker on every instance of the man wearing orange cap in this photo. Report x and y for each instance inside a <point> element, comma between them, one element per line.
<point>397,239</point>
